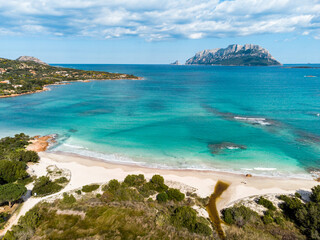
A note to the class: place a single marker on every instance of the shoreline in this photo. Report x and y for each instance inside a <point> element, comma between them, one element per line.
<point>203,181</point>
<point>47,87</point>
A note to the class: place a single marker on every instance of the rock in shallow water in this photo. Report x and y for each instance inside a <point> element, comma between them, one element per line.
<point>216,148</point>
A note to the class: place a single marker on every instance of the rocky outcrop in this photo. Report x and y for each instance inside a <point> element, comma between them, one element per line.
<point>30,59</point>
<point>235,55</point>
<point>175,63</point>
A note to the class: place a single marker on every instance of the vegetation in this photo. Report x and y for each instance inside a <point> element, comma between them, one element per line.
<point>13,175</point>
<point>44,186</point>
<point>11,192</point>
<point>306,216</point>
<point>121,212</point>
<point>90,188</point>
<point>295,220</point>
<point>266,203</point>
<point>18,77</point>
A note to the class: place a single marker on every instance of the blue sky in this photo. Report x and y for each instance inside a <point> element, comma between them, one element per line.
<point>153,31</point>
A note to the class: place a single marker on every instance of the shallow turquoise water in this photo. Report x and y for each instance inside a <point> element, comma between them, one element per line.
<point>170,118</point>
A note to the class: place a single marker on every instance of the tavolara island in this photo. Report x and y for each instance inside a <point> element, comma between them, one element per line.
<point>234,55</point>
<point>27,75</point>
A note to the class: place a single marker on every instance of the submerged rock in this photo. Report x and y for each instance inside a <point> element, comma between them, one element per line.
<point>216,148</point>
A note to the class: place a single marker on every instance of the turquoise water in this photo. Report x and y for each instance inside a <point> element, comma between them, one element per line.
<point>260,120</point>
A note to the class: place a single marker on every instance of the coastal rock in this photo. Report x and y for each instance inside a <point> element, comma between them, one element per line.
<point>248,175</point>
<point>41,144</point>
<point>216,148</point>
<point>30,59</point>
<point>175,63</point>
<point>234,55</point>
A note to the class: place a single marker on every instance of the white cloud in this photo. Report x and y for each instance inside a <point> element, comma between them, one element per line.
<point>160,19</point>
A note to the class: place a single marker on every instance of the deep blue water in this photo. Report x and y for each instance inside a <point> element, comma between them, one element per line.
<point>262,120</point>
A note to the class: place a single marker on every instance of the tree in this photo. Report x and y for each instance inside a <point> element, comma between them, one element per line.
<point>11,192</point>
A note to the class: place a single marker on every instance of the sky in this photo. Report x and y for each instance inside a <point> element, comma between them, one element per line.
<point>154,31</point>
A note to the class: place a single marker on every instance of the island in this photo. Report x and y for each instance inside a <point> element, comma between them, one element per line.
<point>27,75</point>
<point>234,55</point>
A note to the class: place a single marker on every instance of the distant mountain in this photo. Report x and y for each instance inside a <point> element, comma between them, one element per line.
<point>235,55</point>
<point>30,59</point>
<point>175,63</point>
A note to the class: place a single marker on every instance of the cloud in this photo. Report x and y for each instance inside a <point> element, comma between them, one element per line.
<point>158,20</point>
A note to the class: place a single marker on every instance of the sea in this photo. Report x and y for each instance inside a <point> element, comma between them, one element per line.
<point>249,120</point>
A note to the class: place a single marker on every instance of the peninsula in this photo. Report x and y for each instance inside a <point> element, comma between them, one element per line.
<point>234,55</point>
<point>27,75</point>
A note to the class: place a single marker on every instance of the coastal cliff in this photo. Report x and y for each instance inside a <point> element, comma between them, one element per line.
<point>235,55</point>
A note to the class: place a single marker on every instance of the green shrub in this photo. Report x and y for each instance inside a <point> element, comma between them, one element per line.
<point>267,219</point>
<point>147,189</point>
<point>90,188</point>
<point>306,216</point>
<point>228,216</point>
<point>175,194</point>
<point>68,199</point>
<point>297,195</point>
<point>202,228</point>
<point>157,183</point>
<point>315,195</point>
<point>279,220</point>
<point>78,192</point>
<point>186,217</point>
<point>112,186</point>
<point>266,203</point>
<point>61,180</point>
<point>134,180</point>
<point>98,195</point>
<point>162,197</point>
<point>44,186</point>
<point>28,156</point>
<point>240,215</point>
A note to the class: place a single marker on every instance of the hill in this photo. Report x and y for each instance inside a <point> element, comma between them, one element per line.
<point>28,75</point>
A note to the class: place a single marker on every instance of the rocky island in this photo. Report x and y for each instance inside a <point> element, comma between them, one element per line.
<point>27,75</point>
<point>234,55</point>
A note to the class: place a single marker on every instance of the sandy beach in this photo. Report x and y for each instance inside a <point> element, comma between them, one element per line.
<point>85,170</point>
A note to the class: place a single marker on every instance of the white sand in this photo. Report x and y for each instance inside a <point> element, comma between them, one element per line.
<point>86,170</point>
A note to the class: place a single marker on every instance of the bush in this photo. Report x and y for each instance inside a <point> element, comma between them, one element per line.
<point>187,217</point>
<point>90,188</point>
<point>28,156</point>
<point>162,197</point>
<point>175,194</point>
<point>239,215</point>
<point>315,195</point>
<point>306,216</point>
<point>44,186</point>
<point>68,199</point>
<point>266,219</point>
<point>157,183</point>
<point>266,203</point>
<point>112,186</point>
<point>61,180</point>
<point>78,192</point>
<point>134,180</point>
